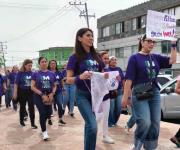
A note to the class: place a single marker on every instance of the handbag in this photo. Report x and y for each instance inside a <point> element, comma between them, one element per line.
<point>144,91</point>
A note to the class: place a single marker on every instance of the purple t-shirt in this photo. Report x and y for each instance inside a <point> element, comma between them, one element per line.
<point>59,78</point>
<point>88,64</point>
<point>44,80</point>
<point>138,69</point>
<point>23,80</point>
<point>12,77</point>
<point>120,74</point>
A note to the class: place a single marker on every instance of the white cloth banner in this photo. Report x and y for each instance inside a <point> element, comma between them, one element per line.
<point>99,88</point>
<point>160,26</point>
<point>113,82</point>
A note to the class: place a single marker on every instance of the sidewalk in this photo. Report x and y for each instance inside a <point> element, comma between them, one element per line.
<point>69,137</point>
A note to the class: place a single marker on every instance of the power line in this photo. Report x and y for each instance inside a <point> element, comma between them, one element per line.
<point>83,13</point>
<point>41,24</point>
<point>27,6</point>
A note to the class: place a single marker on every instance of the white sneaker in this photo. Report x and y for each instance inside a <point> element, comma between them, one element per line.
<point>45,136</point>
<point>107,139</point>
<point>127,129</point>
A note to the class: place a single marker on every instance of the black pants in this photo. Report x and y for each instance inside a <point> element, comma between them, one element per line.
<point>178,134</point>
<point>45,111</point>
<point>26,96</point>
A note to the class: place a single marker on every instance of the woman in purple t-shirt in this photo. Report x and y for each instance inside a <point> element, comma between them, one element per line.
<point>143,68</point>
<point>84,60</point>
<point>23,92</point>
<point>43,84</point>
<point>58,97</point>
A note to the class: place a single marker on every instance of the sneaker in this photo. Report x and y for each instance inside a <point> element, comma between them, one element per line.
<point>34,126</point>
<point>127,129</point>
<point>50,122</point>
<point>71,114</point>
<point>22,124</point>
<point>25,118</point>
<point>175,141</point>
<point>45,136</point>
<point>61,122</point>
<point>107,139</point>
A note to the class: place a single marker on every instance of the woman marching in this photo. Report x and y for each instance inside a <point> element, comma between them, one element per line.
<point>115,104</point>
<point>58,97</point>
<point>84,60</point>
<point>23,92</point>
<point>141,74</point>
<point>43,84</point>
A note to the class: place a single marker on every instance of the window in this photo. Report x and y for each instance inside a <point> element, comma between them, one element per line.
<point>106,31</point>
<point>177,12</point>
<point>112,29</point>
<point>172,11</point>
<point>127,25</point>
<point>134,24</point>
<point>143,21</point>
<point>99,33</point>
<point>171,87</point>
<point>119,28</point>
<point>134,49</point>
<point>119,52</point>
<point>166,47</point>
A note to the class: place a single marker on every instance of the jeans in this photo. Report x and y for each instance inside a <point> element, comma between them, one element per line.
<point>115,109</point>
<point>8,97</point>
<point>45,111</point>
<point>11,96</point>
<point>70,96</point>
<point>148,115</point>
<point>59,100</point>
<point>23,97</point>
<point>85,108</point>
<point>132,120</point>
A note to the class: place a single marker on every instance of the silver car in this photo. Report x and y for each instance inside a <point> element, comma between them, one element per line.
<point>170,101</point>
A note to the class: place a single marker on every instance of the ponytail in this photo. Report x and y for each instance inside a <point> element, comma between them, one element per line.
<point>140,45</point>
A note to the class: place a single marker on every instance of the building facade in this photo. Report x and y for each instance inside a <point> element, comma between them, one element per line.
<point>60,54</point>
<point>119,32</point>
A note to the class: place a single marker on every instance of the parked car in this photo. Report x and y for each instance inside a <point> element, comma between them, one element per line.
<point>163,79</point>
<point>170,101</point>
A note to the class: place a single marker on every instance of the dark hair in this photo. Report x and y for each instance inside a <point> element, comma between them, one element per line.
<point>103,53</point>
<point>26,61</point>
<point>40,58</point>
<point>141,39</point>
<point>49,68</point>
<point>79,50</point>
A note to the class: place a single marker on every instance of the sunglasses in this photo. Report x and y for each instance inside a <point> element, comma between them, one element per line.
<point>150,41</point>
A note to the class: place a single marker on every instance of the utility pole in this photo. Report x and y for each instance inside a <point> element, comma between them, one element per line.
<point>83,13</point>
<point>3,46</point>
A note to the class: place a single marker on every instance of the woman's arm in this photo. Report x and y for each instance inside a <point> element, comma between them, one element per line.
<point>71,79</point>
<point>127,92</point>
<point>34,89</point>
<point>177,90</point>
<point>173,54</point>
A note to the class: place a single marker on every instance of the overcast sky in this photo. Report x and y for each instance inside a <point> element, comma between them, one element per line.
<point>33,25</point>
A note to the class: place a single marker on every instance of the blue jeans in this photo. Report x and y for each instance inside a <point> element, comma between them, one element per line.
<point>132,120</point>
<point>115,109</point>
<point>148,115</point>
<point>85,108</point>
<point>8,97</point>
<point>45,111</point>
<point>70,96</point>
<point>59,100</point>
